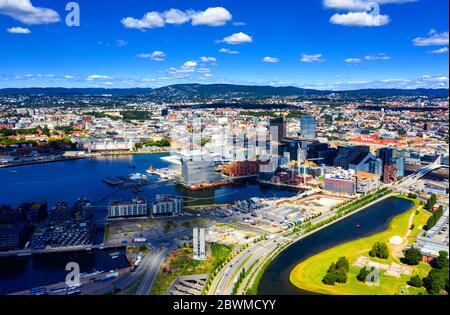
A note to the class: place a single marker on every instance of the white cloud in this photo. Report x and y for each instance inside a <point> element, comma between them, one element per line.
<point>271,59</point>
<point>442,50</point>
<point>311,58</point>
<point>433,39</point>
<point>345,4</point>
<point>228,51</point>
<point>358,5</point>
<point>149,20</point>
<point>18,30</point>
<point>69,77</point>
<point>121,43</point>
<point>156,56</point>
<point>217,16</point>
<point>237,39</point>
<point>175,16</point>
<point>190,64</point>
<point>359,19</point>
<point>352,60</point>
<point>25,12</point>
<point>97,77</point>
<point>212,17</point>
<point>379,56</point>
<point>208,59</point>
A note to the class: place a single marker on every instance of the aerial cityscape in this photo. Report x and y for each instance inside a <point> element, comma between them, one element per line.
<point>224,148</point>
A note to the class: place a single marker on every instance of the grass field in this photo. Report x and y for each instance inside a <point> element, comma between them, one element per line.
<point>180,263</point>
<point>308,274</point>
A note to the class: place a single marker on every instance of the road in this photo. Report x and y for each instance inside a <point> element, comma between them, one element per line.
<point>152,264</point>
<point>249,259</point>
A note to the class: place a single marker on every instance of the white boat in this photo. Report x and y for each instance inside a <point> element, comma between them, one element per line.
<point>114,255</point>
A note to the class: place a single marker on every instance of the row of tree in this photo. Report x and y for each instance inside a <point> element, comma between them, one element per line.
<point>435,217</point>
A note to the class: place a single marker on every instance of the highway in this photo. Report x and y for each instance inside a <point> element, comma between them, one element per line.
<point>254,255</point>
<point>153,262</point>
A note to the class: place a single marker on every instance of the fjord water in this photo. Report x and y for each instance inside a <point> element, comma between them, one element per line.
<point>369,221</point>
<point>71,180</point>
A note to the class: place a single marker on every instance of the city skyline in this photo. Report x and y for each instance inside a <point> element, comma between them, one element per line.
<point>315,44</point>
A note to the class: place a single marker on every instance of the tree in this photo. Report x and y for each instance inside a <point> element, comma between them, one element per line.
<point>435,217</point>
<point>379,250</point>
<point>330,278</point>
<point>441,261</point>
<point>431,202</point>
<point>436,281</point>
<point>337,272</point>
<point>341,276</point>
<point>412,256</point>
<point>415,281</point>
<point>343,264</point>
<point>363,273</point>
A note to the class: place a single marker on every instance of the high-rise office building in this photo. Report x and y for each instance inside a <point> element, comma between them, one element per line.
<point>386,155</point>
<point>400,165</point>
<point>281,130</point>
<point>308,127</point>
<point>389,173</point>
<point>199,244</point>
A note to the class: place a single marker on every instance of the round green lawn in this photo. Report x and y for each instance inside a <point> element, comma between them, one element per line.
<point>308,274</point>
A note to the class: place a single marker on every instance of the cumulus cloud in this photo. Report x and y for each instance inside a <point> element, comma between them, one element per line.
<point>271,59</point>
<point>228,51</point>
<point>237,39</point>
<point>148,21</point>
<point>311,58</point>
<point>156,56</point>
<point>359,19</point>
<point>211,17</point>
<point>358,5</point>
<point>18,30</point>
<point>352,60</point>
<point>208,59</point>
<point>217,16</point>
<point>175,16</point>
<point>190,64</point>
<point>345,4</point>
<point>433,38</point>
<point>442,50</point>
<point>25,12</point>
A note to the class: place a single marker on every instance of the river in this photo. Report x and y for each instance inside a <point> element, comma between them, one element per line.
<point>372,220</point>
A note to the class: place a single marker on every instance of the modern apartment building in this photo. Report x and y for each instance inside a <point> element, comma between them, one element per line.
<point>134,208</point>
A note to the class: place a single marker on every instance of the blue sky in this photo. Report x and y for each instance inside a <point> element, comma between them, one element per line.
<point>320,44</point>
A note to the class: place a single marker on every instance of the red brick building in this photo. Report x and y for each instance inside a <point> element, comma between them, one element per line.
<point>242,168</point>
<point>389,173</point>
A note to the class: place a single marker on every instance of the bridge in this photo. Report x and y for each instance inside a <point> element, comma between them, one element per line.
<point>413,178</point>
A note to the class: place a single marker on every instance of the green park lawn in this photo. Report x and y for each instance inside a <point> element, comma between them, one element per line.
<point>308,274</point>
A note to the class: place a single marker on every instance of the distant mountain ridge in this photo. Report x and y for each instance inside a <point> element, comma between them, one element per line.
<point>208,90</point>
